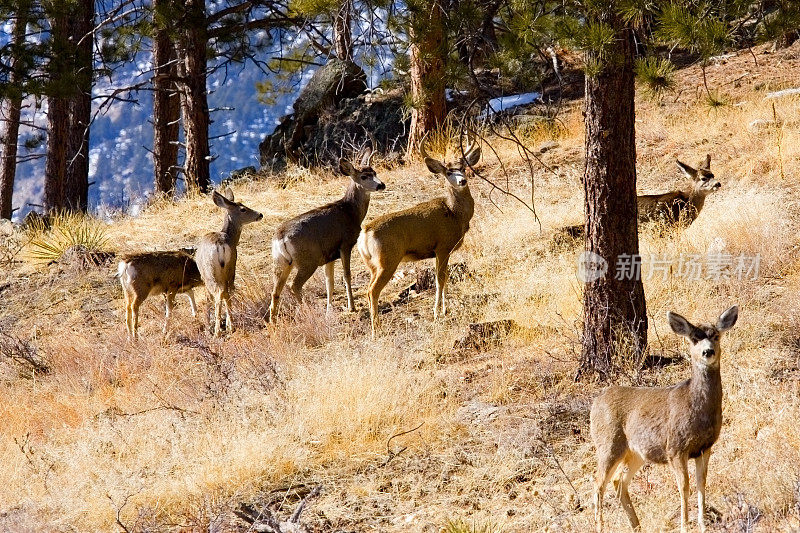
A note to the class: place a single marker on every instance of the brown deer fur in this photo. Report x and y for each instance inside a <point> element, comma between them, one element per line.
<point>150,273</point>
<point>631,426</point>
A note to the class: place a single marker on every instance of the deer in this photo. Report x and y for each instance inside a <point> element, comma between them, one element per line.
<point>672,208</point>
<point>217,253</point>
<point>324,234</point>
<point>151,273</point>
<point>432,229</point>
<point>681,207</point>
<point>631,426</point>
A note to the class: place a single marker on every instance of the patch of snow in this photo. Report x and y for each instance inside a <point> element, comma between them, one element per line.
<point>502,103</point>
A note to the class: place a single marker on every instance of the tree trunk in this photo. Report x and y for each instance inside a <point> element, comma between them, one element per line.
<point>76,187</point>
<point>428,57</point>
<point>615,318</point>
<point>9,139</point>
<point>194,103</point>
<point>342,35</point>
<point>166,112</point>
<point>58,107</point>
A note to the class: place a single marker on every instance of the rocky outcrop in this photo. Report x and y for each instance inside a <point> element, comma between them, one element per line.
<point>334,115</point>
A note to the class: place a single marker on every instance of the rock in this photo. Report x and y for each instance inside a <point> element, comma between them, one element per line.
<point>483,335</point>
<point>477,412</point>
<point>761,124</point>
<point>331,84</point>
<point>342,127</point>
<point>547,146</point>
<point>781,94</point>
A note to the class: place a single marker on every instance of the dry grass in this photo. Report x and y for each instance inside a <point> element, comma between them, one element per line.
<point>174,432</point>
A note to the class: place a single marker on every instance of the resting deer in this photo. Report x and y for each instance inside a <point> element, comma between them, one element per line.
<point>321,236</point>
<point>431,229</point>
<point>676,207</point>
<point>631,426</point>
<point>146,273</point>
<point>216,255</point>
<point>680,206</point>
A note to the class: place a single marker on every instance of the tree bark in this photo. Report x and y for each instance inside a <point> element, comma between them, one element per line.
<point>166,112</point>
<point>428,58</point>
<point>58,107</point>
<point>342,35</point>
<point>615,318</point>
<point>10,137</point>
<point>193,95</point>
<point>76,187</point>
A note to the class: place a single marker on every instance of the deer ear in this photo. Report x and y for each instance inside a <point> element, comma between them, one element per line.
<point>728,318</point>
<point>435,166</point>
<point>219,200</point>
<point>705,164</point>
<point>688,171</point>
<point>228,193</point>
<point>680,325</point>
<point>471,158</point>
<point>346,167</point>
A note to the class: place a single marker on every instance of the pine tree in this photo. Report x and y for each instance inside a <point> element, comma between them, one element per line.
<point>13,100</point>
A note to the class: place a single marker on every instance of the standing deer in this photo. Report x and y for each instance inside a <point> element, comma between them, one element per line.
<point>675,207</point>
<point>431,229</point>
<point>631,426</point>
<point>216,255</point>
<point>323,235</point>
<point>146,273</point>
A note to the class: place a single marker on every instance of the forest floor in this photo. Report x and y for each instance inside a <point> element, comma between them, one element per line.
<point>416,431</point>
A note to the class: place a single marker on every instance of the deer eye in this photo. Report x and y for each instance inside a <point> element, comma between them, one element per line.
<point>243,209</point>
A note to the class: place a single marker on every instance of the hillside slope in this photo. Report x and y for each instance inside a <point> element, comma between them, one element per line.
<point>413,431</point>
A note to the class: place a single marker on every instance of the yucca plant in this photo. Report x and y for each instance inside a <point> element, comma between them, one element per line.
<point>62,233</point>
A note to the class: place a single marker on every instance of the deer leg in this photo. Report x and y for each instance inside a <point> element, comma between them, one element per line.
<point>226,297</point>
<point>169,302</point>
<point>135,316</point>
<point>345,254</point>
<point>217,314</point>
<point>128,316</point>
<point>441,279</point>
<point>281,274</point>
<point>192,303</point>
<point>680,466</point>
<point>634,463</point>
<point>701,469</point>
<point>379,281</point>
<point>304,272</point>
<point>329,285</point>
<point>605,470</point>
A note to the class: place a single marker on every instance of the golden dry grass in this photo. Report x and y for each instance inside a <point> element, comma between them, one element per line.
<point>173,432</point>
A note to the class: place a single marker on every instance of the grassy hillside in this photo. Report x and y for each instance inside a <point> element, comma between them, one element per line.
<point>412,432</point>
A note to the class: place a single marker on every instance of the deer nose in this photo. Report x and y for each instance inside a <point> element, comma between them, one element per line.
<point>462,181</point>
<point>260,216</point>
<point>381,186</point>
<point>717,185</point>
<point>708,353</point>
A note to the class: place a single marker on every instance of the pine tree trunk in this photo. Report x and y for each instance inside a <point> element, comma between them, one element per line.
<point>9,138</point>
<point>428,57</point>
<point>58,107</point>
<point>615,318</point>
<point>76,187</point>
<point>166,112</point>
<point>194,103</point>
<point>342,35</point>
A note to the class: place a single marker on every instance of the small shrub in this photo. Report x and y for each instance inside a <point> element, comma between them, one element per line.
<point>68,236</point>
<point>462,526</point>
